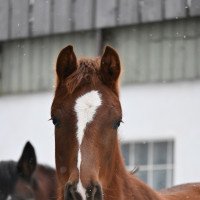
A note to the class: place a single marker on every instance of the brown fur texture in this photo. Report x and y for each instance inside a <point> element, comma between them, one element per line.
<point>26,179</point>
<point>87,72</point>
<point>102,172</point>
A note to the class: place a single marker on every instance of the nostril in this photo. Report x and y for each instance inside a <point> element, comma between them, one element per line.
<point>70,192</point>
<point>94,192</point>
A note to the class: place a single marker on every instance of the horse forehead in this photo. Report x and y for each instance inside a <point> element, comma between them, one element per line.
<point>87,104</point>
<point>88,100</point>
<point>24,189</point>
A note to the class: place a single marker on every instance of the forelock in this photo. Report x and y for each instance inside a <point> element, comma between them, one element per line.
<point>86,73</point>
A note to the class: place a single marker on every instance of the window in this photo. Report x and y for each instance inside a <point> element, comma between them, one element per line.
<point>154,159</point>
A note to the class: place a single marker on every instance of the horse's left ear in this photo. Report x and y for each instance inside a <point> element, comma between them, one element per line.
<point>27,162</point>
<point>110,68</point>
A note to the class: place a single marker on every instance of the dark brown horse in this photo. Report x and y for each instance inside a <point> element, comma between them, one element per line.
<point>86,112</point>
<point>25,179</point>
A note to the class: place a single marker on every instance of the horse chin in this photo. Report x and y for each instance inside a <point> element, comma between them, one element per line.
<point>93,192</point>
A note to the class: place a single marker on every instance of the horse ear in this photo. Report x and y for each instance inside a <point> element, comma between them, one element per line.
<point>27,162</point>
<point>66,63</point>
<point>110,68</point>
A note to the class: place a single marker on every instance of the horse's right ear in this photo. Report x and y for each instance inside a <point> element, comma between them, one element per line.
<point>27,162</point>
<point>66,63</point>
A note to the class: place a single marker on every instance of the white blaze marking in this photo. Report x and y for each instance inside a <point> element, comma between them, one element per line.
<point>9,197</point>
<point>85,108</point>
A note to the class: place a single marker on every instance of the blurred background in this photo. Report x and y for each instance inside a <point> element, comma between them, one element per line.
<point>159,45</point>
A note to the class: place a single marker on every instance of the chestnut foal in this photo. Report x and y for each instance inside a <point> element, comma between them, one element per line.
<point>86,112</point>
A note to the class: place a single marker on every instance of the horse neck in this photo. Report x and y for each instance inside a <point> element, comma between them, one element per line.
<point>121,184</point>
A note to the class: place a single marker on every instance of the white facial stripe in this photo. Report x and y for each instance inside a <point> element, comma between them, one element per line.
<point>9,197</point>
<point>85,108</point>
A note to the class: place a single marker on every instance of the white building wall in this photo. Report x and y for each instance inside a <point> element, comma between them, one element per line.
<point>24,118</point>
<point>151,112</point>
<point>166,111</point>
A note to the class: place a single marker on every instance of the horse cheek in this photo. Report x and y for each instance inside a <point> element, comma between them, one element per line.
<point>107,144</point>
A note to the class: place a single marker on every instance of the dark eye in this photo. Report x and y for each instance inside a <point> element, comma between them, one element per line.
<point>55,121</point>
<point>117,124</point>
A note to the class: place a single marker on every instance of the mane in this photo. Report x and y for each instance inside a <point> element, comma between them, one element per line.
<point>86,73</point>
<point>8,175</point>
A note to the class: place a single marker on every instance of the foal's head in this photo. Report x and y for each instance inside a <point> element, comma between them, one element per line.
<point>86,113</point>
<point>16,182</point>
<point>25,180</point>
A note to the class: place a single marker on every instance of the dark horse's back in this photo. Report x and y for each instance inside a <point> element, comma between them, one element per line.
<point>189,191</point>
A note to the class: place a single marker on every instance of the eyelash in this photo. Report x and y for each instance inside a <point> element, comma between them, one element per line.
<point>55,121</point>
<point>117,124</point>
